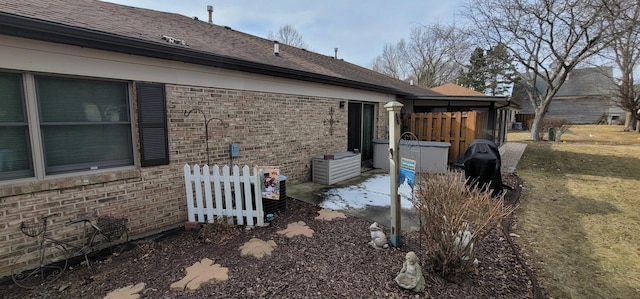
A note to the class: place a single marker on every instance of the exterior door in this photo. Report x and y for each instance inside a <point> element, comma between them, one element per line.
<point>361,129</point>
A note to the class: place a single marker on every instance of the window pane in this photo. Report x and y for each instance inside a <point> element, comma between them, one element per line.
<point>70,148</point>
<point>11,108</point>
<point>85,124</point>
<point>15,152</point>
<point>75,100</point>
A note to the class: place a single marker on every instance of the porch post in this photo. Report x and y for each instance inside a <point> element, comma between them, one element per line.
<point>394,164</point>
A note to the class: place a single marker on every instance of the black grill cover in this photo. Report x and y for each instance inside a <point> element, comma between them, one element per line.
<point>482,165</point>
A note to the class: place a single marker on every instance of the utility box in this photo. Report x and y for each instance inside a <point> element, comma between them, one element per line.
<point>234,149</point>
<point>337,167</point>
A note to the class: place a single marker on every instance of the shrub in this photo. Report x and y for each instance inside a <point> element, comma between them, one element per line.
<point>457,218</point>
<point>216,231</point>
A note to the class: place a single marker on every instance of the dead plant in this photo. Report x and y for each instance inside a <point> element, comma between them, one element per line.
<point>217,231</point>
<point>456,217</point>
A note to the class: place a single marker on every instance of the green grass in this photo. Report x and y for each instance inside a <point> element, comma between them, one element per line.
<point>579,215</point>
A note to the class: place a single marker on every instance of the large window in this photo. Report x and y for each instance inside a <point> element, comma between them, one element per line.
<point>77,125</point>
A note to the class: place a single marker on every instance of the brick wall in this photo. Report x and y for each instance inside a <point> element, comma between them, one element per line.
<point>271,129</point>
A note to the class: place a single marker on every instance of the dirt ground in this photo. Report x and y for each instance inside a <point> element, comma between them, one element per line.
<point>336,262</point>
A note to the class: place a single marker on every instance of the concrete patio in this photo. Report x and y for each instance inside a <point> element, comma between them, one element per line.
<point>359,190</point>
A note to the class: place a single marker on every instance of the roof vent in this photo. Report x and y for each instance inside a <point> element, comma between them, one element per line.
<point>276,48</point>
<point>210,10</point>
<point>176,41</point>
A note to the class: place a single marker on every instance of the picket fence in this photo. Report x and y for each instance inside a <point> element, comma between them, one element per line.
<point>205,201</point>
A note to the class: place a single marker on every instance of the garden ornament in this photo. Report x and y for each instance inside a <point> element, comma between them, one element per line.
<point>410,277</point>
<point>378,238</point>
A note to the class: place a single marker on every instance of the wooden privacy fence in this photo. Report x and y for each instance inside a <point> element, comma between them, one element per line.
<point>215,194</point>
<point>457,128</point>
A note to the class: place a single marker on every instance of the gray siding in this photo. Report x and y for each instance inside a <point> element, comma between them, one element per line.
<point>577,109</point>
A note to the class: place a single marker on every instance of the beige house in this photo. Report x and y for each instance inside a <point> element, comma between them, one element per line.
<point>94,96</point>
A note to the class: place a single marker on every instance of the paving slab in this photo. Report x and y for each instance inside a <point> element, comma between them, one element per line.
<point>257,248</point>
<point>329,214</point>
<point>296,229</point>
<point>201,273</point>
<point>128,292</point>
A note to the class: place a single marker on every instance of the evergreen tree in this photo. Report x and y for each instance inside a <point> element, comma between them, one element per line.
<point>500,71</point>
<point>474,77</point>
<point>491,71</point>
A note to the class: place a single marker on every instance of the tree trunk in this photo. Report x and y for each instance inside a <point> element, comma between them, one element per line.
<point>535,126</point>
<point>628,121</point>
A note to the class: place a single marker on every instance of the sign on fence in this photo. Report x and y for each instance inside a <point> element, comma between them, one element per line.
<point>212,194</point>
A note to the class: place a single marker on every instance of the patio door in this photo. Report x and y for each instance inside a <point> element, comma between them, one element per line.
<point>361,128</point>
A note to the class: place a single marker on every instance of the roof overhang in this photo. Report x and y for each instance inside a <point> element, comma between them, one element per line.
<point>499,101</point>
<point>24,27</point>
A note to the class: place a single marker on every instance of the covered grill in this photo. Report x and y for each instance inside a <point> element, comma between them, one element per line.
<point>482,165</point>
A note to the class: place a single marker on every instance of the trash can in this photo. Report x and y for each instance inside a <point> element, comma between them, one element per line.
<point>552,134</point>
<point>482,165</point>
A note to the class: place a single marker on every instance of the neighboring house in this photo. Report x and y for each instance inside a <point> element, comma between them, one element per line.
<point>93,104</point>
<point>453,98</point>
<point>584,98</point>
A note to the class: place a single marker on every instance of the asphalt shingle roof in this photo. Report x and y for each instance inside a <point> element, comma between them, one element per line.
<point>451,89</point>
<point>131,23</point>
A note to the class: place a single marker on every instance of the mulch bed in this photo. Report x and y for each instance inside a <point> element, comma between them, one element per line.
<point>336,262</point>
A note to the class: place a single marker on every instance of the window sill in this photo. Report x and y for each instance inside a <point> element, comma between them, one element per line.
<point>65,181</point>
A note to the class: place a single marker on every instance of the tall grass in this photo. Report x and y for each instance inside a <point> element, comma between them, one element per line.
<point>579,217</point>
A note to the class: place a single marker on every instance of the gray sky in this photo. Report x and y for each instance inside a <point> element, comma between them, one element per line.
<point>359,29</point>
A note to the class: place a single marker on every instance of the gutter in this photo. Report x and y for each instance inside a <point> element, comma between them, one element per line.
<point>24,27</point>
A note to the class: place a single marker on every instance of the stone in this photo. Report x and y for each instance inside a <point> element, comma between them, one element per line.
<point>329,214</point>
<point>297,229</point>
<point>257,248</point>
<point>128,292</point>
<point>201,273</point>
<point>378,238</point>
<point>410,276</point>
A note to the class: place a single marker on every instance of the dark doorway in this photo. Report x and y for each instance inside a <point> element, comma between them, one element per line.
<point>361,129</point>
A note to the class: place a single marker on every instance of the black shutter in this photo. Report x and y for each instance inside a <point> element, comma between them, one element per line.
<point>152,123</point>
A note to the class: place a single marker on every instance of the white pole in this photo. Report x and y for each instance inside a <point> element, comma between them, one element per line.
<point>394,163</point>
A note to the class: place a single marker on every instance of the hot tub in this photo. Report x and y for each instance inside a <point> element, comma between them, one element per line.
<point>430,156</point>
<point>343,166</point>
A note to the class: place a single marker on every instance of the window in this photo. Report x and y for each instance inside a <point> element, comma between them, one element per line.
<point>15,149</point>
<point>77,125</point>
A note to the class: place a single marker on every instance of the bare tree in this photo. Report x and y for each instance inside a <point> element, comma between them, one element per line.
<point>288,36</point>
<point>547,39</point>
<point>432,56</point>
<point>626,54</point>
<point>392,61</point>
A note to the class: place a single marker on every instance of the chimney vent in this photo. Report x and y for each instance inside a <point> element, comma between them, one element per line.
<point>276,48</point>
<point>210,10</point>
<point>335,53</point>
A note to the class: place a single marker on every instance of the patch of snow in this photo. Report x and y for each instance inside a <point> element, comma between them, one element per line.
<point>372,192</point>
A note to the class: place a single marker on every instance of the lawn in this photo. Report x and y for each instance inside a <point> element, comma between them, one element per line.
<point>579,218</point>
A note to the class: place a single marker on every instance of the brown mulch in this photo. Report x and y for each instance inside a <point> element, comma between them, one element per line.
<point>336,262</point>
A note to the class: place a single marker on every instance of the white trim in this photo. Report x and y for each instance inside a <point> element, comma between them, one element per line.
<point>37,56</point>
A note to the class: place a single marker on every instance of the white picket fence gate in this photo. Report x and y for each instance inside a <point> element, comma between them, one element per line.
<point>205,200</point>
